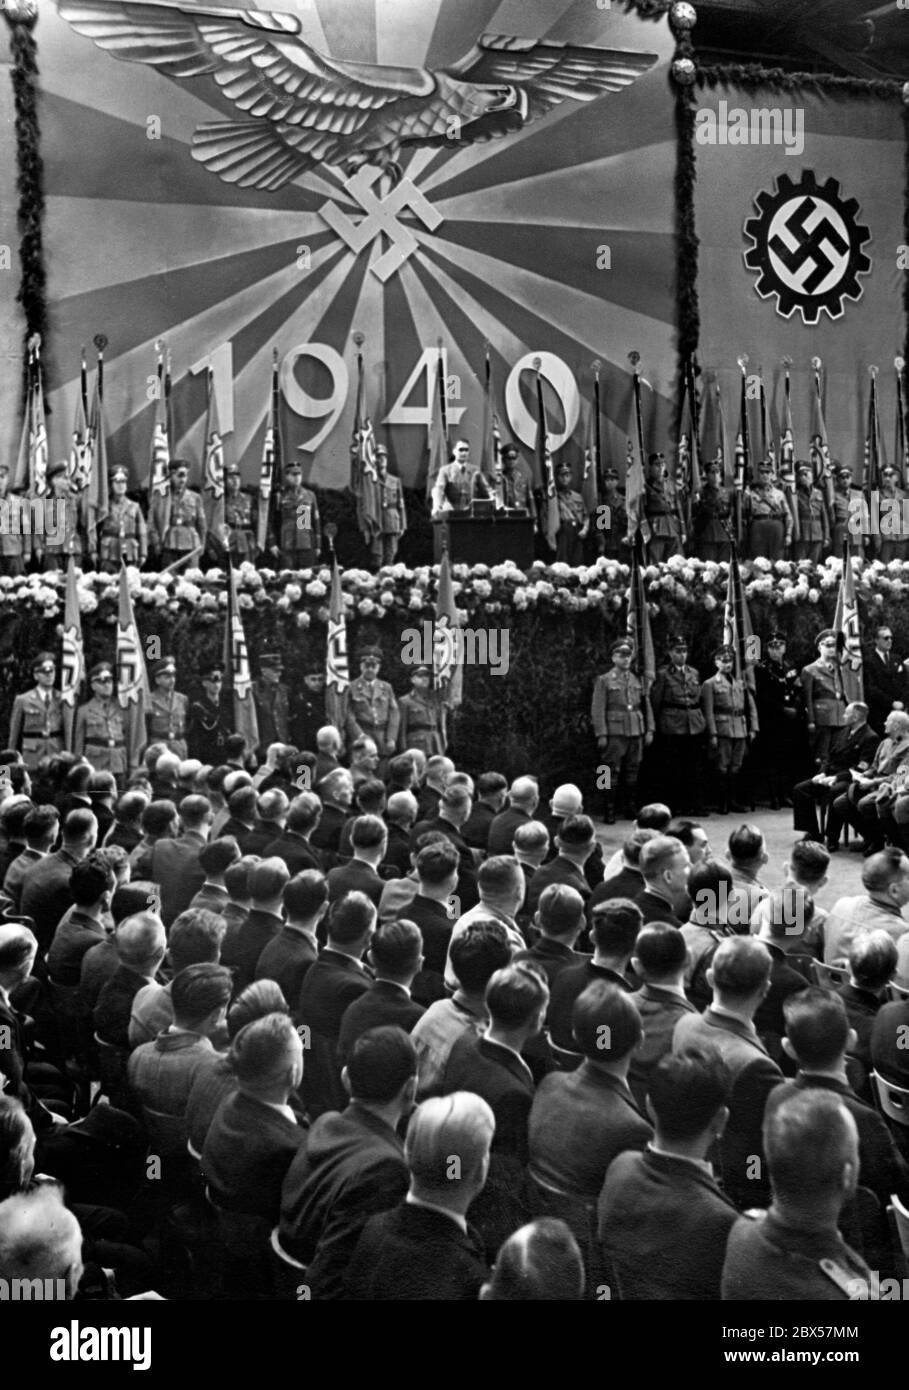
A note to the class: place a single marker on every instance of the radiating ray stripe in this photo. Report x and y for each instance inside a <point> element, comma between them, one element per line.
<point>457,28</point>
<point>407,42</point>
<point>622,192</point>
<point>350,29</point>
<point>229,232</point>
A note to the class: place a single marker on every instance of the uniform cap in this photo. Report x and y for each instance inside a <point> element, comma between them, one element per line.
<point>622,644</point>
<point>844,472</point>
<point>678,641</point>
<point>176,464</point>
<point>273,660</point>
<point>233,468</point>
<point>119,475</point>
<point>165,664</point>
<point>55,469</point>
<point>371,654</point>
<point>419,671</point>
<point>101,668</point>
<point>825,635</point>
<point>509,452</point>
<point>43,659</point>
<point>776,636</point>
<point>212,667</point>
<point>725,652</point>
<point>381,449</point>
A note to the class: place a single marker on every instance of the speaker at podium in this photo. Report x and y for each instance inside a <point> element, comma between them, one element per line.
<point>484,535</point>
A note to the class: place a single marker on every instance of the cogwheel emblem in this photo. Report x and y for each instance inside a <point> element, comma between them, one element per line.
<point>807,247</point>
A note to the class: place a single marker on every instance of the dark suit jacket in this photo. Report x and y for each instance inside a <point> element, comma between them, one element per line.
<point>492,1072</point>
<point>883,684</point>
<point>176,869</point>
<point>285,959</point>
<point>330,986</point>
<point>248,837</point>
<point>502,828</point>
<point>553,957</point>
<point>579,1122</point>
<point>476,828</point>
<point>593,868</point>
<point>558,870</point>
<point>664,1224</point>
<point>570,983</point>
<point>247,946</point>
<point>412,1253</point>
<point>851,747</point>
<point>384,1005</point>
<point>115,1002</point>
<point>891,1060</point>
<point>656,909</point>
<point>296,851</point>
<point>211,897</point>
<point>355,876</point>
<point>351,1167</point>
<point>328,832</point>
<point>660,1011</point>
<point>466,889</point>
<point>13,1061</point>
<point>862,1008</point>
<point>248,1150</point>
<point>784,982</point>
<point>435,927</point>
<point>882,1169</point>
<point>397,855</point>
<point>45,894</point>
<point>627,883</point>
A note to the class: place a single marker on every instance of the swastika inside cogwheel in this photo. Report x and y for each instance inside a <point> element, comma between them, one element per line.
<point>807,247</point>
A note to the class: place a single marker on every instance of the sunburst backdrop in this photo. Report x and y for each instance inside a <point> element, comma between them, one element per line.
<point>144,243</point>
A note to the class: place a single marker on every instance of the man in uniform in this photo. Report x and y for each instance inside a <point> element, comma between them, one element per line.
<point>392,513</point>
<point>70,508</point>
<point>272,699</point>
<point>517,494</point>
<point>847,501</point>
<point>238,518</point>
<point>37,717</point>
<point>13,549</point>
<point>574,523</point>
<point>825,702</point>
<point>422,716</point>
<point>122,534</point>
<point>814,527</point>
<point>301,526</point>
<point>165,719</point>
<point>662,512</point>
<point>794,1251</point>
<point>711,517</point>
<point>680,722</point>
<point>177,520</point>
<point>623,725</point>
<point>781,742</point>
<point>612,540</point>
<point>458,483</point>
<point>207,725</point>
<point>732,722</point>
<point>767,518</point>
<point>99,733</point>
<point>892,545</point>
<point>372,710</point>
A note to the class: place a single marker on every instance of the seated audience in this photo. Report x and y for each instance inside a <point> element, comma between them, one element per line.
<point>501,888</point>
<point>540,1262</point>
<point>481,950</point>
<point>436,867</point>
<point>665,868</point>
<point>91,887</point>
<point>264,921</point>
<point>396,956</point>
<point>141,945</point>
<point>627,881</point>
<point>575,842</point>
<point>215,858</point>
<point>330,986</point>
<point>195,939</point>
<point>293,843</point>
<point>660,960</point>
<point>558,922</point>
<point>369,839</point>
<point>287,956</point>
<point>615,929</point>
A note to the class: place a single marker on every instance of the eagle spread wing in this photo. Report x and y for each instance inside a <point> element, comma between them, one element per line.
<point>302,108</point>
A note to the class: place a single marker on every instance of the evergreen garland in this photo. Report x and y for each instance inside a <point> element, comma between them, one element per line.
<point>30,182</point>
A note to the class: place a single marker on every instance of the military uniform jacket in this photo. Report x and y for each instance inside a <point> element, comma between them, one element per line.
<point>177,521</point>
<point>571,508</point>
<point>843,505</point>
<point>421,717</point>
<point>76,522</point>
<point>301,530</point>
<point>713,507</point>
<point>661,508</point>
<point>824,698</point>
<point>767,504</point>
<point>619,707</point>
<point>206,731</point>
<point>766,1259</point>
<point>123,534</point>
<point>516,491</point>
<point>458,486</point>
<point>725,702</point>
<point>238,517</point>
<point>392,513</point>
<point>778,689</point>
<point>99,735</point>
<point>376,714</point>
<point>272,712</point>
<point>676,701</point>
<point>812,510</point>
<point>39,725</point>
<point>166,720</point>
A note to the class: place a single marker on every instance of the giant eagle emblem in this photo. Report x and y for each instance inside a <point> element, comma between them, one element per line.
<point>300,108</point>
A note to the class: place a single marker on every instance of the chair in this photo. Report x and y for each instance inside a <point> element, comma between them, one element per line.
<point>899,1217</point>
<point>898,993</point>
<point>112,1064</point>
<point>289,1274</point>
<point>830,976</point>
<point>893,1100</point>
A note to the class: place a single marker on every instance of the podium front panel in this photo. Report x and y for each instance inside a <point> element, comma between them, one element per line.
<point>484,541</point>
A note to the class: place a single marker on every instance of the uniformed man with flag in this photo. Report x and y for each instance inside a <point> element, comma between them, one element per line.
<point>392,512</point>
<point>623,724</point>
<point>372,710</point>
<point>37,717</point>
<point>301,527</point>
<point>122,535</point>
<point>177,523</point>
<point>732,723</point>
<point>166,715</point>
<point>99,731</point>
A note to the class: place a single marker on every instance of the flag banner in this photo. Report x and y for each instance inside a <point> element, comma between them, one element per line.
<point>636,455</point>
<point>688,463</point>
<point>873,459</point>
<point>133,690</point>
<point>364,473</point>
<point>544,226</point>
<point>818,448</point>
<point>447,647</point>
<point>72,666</point>
<point>98,490</point>
<point>213,485</point>
<point>737,630</point>
<point>543,456</point>
<point>37,440</point>
<point>592,477</point>
<point>490,460</point>
<point>437,436</point>
<point>78,469</point>
<point>238,677</point>
<point>787,456</point>
<point>268,522</point>
<point>158,482</point>
<point>638,621</point>
<point>337,666</point>
<point>848,633</point>
<point>900,454</point>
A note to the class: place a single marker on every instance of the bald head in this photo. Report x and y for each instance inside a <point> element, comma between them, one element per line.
<point>401,809</point>
<point>438,770</point>
<point>524,793</point>
<point>39,1238</point>
<point>18,948</point>
<point>141,942</point>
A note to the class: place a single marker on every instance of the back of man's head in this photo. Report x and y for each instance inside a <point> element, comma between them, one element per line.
<point>272,806</point>
<point>216,857</point>
<point>517,996</point>
<point>304,895</point>
<point>234,747</point>
<point>808,864</point>
<point>268,880</point>
<point>263,1053</point>
<point>478,952</point>
<point>199,991</point>
<point>370,796</point>
<point>166,767</point>
<point>129,807</point>
<point>14,816</point>
<point>457,1126</point>
<point>709,886</point>
<point>401,808</point>
<point>787,912</point>
<point>304,813</point>
<point>141,942</point>
<point>658,855</point>
<point>159,818</point>
<point>746,845</point>
<point>243,804</point>
<point>236,878</point>
<point>400,772</point>
<point>740,969</point>
<point>561,911</point>
<point>614,927</point>
<point>18,946</point>
<point>380,1064</point>
<point>90,879</point>
<point>661,953</point>
<point>351,920</point>
<point>40,1238</point>
<point>654,816</point>
<point>811,1147</point>
<point>817,1028</point>
<point>686,1090</point>
<point>396,950</point>
<point>455,802</point>
<point>524,793</point>
<point>576,834</point>
<point>605,1023</point>
<point>255,1001</point>
<point>540,1262</point>
<point>632,846</point>
<point>439,769</point>
<point>437,862</point>
<point>234,779</point>
<point>195,938</point>
<point>872,960</point>
<point>41,826</point>
<point>491,784</point>
<point>369,834</point>
<point>80,830</point>
<point>501,881</point>
<point>881,871</point>
<point>531,837</point>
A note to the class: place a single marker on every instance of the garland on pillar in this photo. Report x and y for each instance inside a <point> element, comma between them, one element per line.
<point>21,16</point>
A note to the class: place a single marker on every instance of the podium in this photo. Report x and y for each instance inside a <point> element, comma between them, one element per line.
<point>472,540</point>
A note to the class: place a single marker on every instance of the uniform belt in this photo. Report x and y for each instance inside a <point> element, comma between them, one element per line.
<point>675,706</point>
<point>102,743</point>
